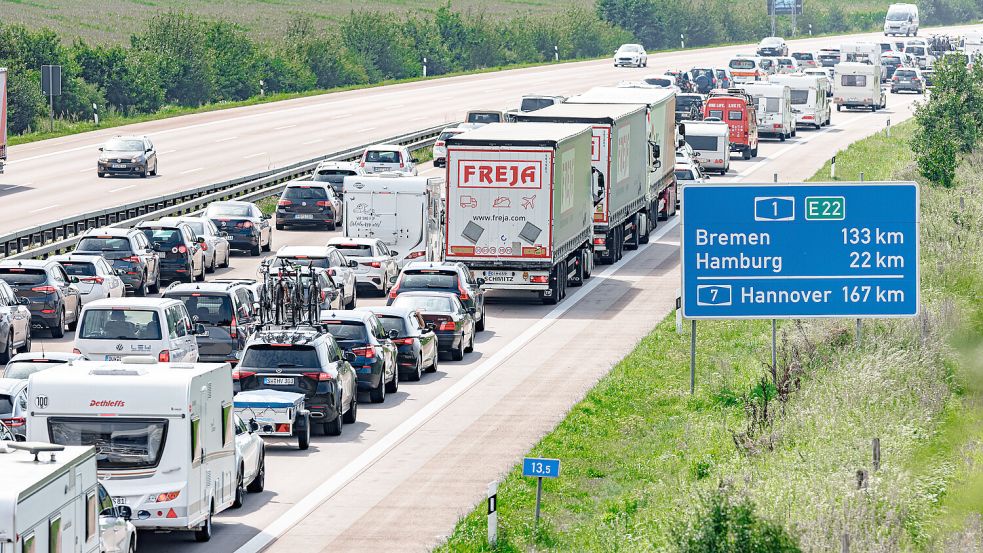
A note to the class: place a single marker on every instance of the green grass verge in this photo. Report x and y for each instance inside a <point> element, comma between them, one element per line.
<point>639,452</point>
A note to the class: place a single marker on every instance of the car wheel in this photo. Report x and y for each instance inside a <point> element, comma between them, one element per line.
<point>269,244</point>
<point>352,415</point>
<point>72,326</point>
<point>417,374</point>
<point>754,152</point>
<point>393,386</point>
<point>58,329</point>
<point>279,226</point>
<point>190,275</point>
<point>154,287</point>
<point>259,482</point>
<point>101,175</point>
<point>470,347</point>
<point>839,108</point>
<point>304,436</point>
<point>201,275</point>
<point>334,427</point>
<point>240,490</point>
<point>211,267</point>
<point>378,394</point>
<point>781,137</point>
<point>351,304</point>
<point>204,533</point>
<point>143,174</point>
<point>457,353</point>
<point>26,348</point>
<point>254,251</point>
<point>746,154</point>
<point>480,325</point>
<point>8,352</point>
<point>433,365</point>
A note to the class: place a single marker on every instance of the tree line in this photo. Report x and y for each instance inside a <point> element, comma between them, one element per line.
<point>183,60</point>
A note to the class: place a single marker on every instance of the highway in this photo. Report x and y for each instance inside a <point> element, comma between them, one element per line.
<point>399,478</point>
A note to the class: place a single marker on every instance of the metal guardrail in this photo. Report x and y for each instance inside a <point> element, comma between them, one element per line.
<point>59,236</point>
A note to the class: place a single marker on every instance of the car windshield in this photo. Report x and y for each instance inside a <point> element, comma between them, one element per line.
<point>301,193</point>
<point>800,97</point>
<point>6,404</point>
<point>628,48</point>
<point>684,174</point>
<point>277,356</point>
<point>741,64</point>
<point>353,331</point>
<point>484,117</point>
<point>307,261</point>
<point>382,156</point>
<point>120,324</point>
<point>891,60</point>
<point>447,134</point>
<point>802,56</point>
<point>23,369</point>
<point>164,239</point>
<point>355,250</point>
<point>393,322</point>
<point>334,176</point>
<point>785,62</point>
<point>118,145</point>
<point>915,50</point>
<point>79,268</point>
<point>429,304</point>
<point>429,279</point>
<point>103,244</point>
<point>686,102</point>
<point>897,15</point>
<point>904,73</point>
<point>209,309</point>
<point>119,443</point>
<point>15,276</point>
<point>533,104</point>
<point>228,210</point>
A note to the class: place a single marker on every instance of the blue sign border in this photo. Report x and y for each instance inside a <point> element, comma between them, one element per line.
<point>835,188</point>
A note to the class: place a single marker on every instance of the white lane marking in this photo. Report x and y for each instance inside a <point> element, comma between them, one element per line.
<point>86,170</point>
<point>315,141</point>
<point>166,152</point>
<point>226,139</point>
<point>340,479</point>
<point>340,115</point>
<point>123,188</point>
<point>46,208</point>
<point>196,169</point>
<point>397,105</point>
<point>367,129</point>
<point>284,127</point>
<point>250,156</point>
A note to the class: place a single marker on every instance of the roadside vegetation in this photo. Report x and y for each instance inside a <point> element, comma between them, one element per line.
<point>775,461</point>
<point>175,62</point>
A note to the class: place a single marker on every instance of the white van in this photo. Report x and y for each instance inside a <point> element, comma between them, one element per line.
<point>156,327</point>
<point>858,85</point>
<point>164,434</point>
<point>404,212</point>
<point>746,69</point>
<point>710,143</point>
<point>810,98</point>
<point>382,158</point>
<point>901,19</point>
<point>775,117</point>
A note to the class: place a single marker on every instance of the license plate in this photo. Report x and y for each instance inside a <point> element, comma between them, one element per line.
<point>161,255</point>
<point>304,216</point>
<point>278,381</point>
<point>119,501</point>
<point>112,358</point>
<point>119,166</point>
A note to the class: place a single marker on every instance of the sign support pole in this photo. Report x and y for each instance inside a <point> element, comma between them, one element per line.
<point>774,352</point>
<point>859,330</point>
<point>692,357</point>
<point>539,498</point>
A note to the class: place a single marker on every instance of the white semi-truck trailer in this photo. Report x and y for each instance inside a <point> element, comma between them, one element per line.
<point>520,204</point>
<point>3,118</point>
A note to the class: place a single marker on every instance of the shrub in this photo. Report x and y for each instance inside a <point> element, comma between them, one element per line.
<point>725,523</point>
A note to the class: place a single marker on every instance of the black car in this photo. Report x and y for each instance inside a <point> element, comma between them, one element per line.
<point>55,303</point>
<point>248,228</point>
<point>15,323</point>
<point>130,254</point>
<point>361,333</point>
<point>453,322</point>
<point>226,310</point>
<point>182,257</point>
<point>415,341</point>
<point>689,107</point>
<point>438,276</point>
<point>308,203</point>
<point>305,361</point>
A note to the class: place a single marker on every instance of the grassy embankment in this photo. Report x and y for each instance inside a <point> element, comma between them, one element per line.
<point>640,455</point>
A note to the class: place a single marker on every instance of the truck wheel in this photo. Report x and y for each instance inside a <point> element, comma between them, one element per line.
<point>635,241</point>
<point>839,108</point>
<point>304,436</point>
<point>644,221</point>
<point>588,264</point>
<point>754,152</point>
<point>781,137</point>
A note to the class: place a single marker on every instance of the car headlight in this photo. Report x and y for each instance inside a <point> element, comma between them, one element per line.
<point>137,159</point>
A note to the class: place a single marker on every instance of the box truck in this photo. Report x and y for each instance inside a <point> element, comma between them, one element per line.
<point>520,204</point>
<point>662,193</point>
<point>404,212</point>
<point>3,118</point>
<point>164,434</point>
<point>619,154</point>
<point>810,98</point>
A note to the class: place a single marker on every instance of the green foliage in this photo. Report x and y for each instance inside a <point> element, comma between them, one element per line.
<point>176,45</point>
<point>24,99</point>
<point>728,524</point>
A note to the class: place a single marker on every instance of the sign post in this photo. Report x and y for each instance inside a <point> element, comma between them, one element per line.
<point>51,87</point>
<point>539,469</point>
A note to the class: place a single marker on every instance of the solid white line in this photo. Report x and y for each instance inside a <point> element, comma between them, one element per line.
<point>226,139</point>
<point>250,156</point>
<point>284,127</point>
<point>340,115</point>
<point>46,208</point>
<point>123,188</point>
<point>166,152</point>
<point>796,277</point>
<point>191,170</point>
<point>315,141</point>
<point>396,105</point>
<point>366,129</point>
<point>86,170</point>
<point>340,479</point>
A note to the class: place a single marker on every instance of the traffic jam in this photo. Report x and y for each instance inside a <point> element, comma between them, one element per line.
<point>179,378</point>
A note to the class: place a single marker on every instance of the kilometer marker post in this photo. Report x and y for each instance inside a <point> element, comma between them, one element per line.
<point>539,469</point>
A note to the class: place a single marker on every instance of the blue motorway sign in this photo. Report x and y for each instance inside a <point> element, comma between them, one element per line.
<point>800,250</point>
<point>541,468</point>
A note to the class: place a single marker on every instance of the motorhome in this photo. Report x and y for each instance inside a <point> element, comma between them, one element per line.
<point>404,212</point>
<point>810,98</point>
<point>735,107</point>
<point>164,434</point>
<point>901,19</point>
<point>710,143</point>
<point>858,86</point>
<point>775,117</point>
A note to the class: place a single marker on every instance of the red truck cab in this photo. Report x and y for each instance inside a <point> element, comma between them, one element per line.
<point>736,108</point>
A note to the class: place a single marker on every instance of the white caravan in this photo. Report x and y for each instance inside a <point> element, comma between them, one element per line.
<point>406,213</point>
<point>775,117</point>
<point>810,98</point>
<point>710,141</point>
<point>858,85</point>
<point>164,434</point>
<point>861,52</point>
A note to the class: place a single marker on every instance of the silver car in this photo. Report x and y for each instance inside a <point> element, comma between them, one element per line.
<point>440,146</point>
<point>97,279</point>
<point>377,264</point>
<point>127,155</point>
<point>329,258</point>
<point>116,533</point>
<point>13,406</point>
<point>217,249</point>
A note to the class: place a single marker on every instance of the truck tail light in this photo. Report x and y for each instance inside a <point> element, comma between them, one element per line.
<point>599,241</point>
<point>166,496</point>
<point>319,377</point>
<point>539,279</point>
<point>239,374</point>
<point>368,353</point>
<point>164,356</point>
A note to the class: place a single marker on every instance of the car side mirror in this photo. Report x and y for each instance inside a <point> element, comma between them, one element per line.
<point>223,234</point>
<point>124,512</point>
<point>656,151</point>
<point>200,239</point>
<point>392,334</point>
<point>481,282</point>
<point>350,357</point>
<point>148,150</point>
<point>73,279</point>
<point>472,310</point>
<point>120,272</point>
<point>393,279</point>
<point>352,263</point>
<point>264,217</point>
<point>393,253</point>
<point>101,149</point>
<point>414,160</point>
<point>253,425</point>
<point>431,327</point>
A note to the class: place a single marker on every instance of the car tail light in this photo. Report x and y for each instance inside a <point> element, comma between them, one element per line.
<point>403,341</point>
<point>323,203</point>
<point>204,247</point>
<point>182,249</point>
<point>447,325</point>
<point>462,293</point>
<point>14,422</point>
<point>438,144</point>
<point>284,203</point>
<point>245,224</point>
<point>414,255</point>
<point>44,289</point>
<point>94,280</point>
<point>368,353</point>
<point>539,279</point>
<point>234,327</point>
<point>394,292</point>
<point>131,259</point>
<point>373,264</point>
<point>320,377</point>
<point>164,356</point>
<point>895,78</point>
<point>914,79</point>
<point>239,374</point>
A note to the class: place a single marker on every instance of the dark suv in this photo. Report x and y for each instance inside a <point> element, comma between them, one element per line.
<point>308,203</point>
<point>54,301</point>
<point>226,310</point>
<point>130,254</point>
<point>181,255</point>
<point>362,334</point>
<point>437,276</point>
<point>302,360</point>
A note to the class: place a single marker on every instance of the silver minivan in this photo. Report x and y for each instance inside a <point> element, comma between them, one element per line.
<point>156,327</point>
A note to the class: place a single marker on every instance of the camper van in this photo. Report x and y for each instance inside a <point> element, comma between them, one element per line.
<point>901,19</point>
<point>50,501</point>
<point>858,86</point>
<point>710,141</point>
<point>774,101</point>
<point>404,212</point>
<point>810,98</point>
<point>164,434</point>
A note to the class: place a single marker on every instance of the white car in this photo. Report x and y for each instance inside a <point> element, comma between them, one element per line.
<point>250,460</point>
<point>689,173</point>
<point>23,365</point>
<point>335,172</point>
<point>216,246</point>
<point>377,264</point>
<point>97,279</point>
<point>786,65</point>
<point>631,55</point>
<point>686,154</point>
<point>120,327</point>
<point>329,258</point>
<point>117,533</point>
<point>440,146</point>
<point>388,158</point>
